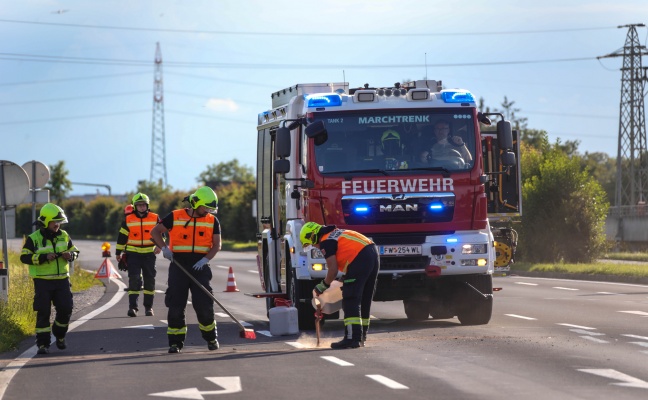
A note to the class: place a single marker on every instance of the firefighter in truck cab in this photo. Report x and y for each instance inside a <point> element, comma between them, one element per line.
<point>356,257</point>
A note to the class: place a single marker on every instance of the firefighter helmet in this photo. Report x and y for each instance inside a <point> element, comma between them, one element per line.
<point>390,143</point>
<point>51,212</point>
<point>309,233</point>
<point>140,198</point>
<point>204,196</point>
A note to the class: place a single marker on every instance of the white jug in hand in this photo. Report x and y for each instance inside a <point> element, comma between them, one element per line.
<point>330,300</point>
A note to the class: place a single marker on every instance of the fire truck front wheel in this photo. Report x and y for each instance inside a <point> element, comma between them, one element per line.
<point>416,310</point>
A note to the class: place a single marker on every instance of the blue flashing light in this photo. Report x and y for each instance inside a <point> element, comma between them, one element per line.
<point>458,97</point>
<point>436,207</point>
<point>324,100</point>
<point>361,209</point>
<point>452,240</point>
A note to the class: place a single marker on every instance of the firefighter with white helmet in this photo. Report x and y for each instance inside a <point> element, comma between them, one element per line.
<point>48,252</point>
<point>136,252</point>
<point>195,238</point>
<point>356,256</point>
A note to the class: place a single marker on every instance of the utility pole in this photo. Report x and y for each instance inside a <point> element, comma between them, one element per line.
<point>158,148</point>
<point>632,160</point>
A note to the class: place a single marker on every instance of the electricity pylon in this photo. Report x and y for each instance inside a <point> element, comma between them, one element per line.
<point>632,160</point>
<point>158,148</point>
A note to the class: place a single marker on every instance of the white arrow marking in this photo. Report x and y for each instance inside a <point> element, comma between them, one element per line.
<point>626,380</point>
<point>140,327</point>
<point>230,384</point>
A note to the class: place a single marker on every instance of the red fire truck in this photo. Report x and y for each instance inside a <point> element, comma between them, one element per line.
<point>376,160</point>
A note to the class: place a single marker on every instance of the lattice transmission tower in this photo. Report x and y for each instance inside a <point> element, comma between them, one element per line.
<point>158,147</point>
<point>632,160</point>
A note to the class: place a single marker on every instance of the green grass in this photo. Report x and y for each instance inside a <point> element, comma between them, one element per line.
<point>229,245</point>
<point>626,256</point>
<point>17,317</point>
<point>600,268</point>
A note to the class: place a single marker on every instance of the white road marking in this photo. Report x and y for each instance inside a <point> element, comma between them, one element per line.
<point>296,345</point>
<point>636,336</point>
<point>626,380</point>
<point>576,326</point>
<point>265,333</point>
<point>584,332</point>
<point>253,271</point>
<point>595,339</point>
<point>564,288</point>
<point>164,321</point>
<point>139,327</point>
<point>337,361</point>
<point>526,283</point>
<point>643,313</point>
<point>642,344</point>
<point>245,323</point>
<point>392,384</point>
<point>222,267</point>
<point>159,291</point>
<point>608,293</point>
<point>230,384</point>
<point>520,316</point>
<point>221,314</point>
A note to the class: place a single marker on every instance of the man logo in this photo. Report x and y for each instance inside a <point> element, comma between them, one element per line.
<point>400,196</point>
<point>399,208</point>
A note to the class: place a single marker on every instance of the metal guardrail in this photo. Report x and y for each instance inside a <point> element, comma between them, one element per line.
<point>640,210</point>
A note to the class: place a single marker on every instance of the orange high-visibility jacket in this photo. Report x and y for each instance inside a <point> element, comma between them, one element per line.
<point>350,243</point>
<point>139,233</point>
<point>191,235</point>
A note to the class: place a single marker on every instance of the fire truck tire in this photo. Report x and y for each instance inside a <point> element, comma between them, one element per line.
<point>440,311</point>
<point>416,310</point>
<point>474,309</point>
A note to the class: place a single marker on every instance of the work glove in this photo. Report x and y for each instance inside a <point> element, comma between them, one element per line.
<point>167,253</point>
<point>121,262</point>
<point>321,287</point>
<point>200,264</point>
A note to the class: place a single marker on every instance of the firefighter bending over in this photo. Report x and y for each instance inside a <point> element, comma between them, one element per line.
<point>356,256</point>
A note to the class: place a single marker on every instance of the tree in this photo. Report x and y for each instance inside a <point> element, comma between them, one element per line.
<point>223,173</point>
<point>564,209</point>
<point>59,185</point>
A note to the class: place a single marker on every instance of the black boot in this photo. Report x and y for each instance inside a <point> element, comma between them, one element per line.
<point>351,338</point>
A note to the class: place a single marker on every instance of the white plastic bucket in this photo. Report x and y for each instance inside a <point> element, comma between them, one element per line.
<point>330,300</point>
<point>283,321</point>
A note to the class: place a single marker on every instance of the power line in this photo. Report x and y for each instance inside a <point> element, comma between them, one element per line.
<point>15,103</point>
<point>310,34</point>
<point>72,79</point>
<point>185,64</point>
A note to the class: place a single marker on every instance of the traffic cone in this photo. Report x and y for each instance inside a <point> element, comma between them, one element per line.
<point>231,282</point>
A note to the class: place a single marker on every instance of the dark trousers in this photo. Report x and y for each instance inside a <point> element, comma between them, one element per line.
<point>46,293</point>
<point>176,298</point>
<point>358,291</point>
<point>141,266</point>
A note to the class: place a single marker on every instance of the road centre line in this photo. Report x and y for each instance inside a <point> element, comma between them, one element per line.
<point>642,344</point>
<point>392,384</point>
<point>564,288</point>
<point>253,271</point>
<point>521,316</point>
<point>337,361</point>
<point>635,336</point>
<point>296,345</point>
<point>642,313</point>
<point>526,283</point>
<point>583,332</point>
<point>575,326</point>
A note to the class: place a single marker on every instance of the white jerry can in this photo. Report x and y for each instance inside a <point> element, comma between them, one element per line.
<point>330,300</point>
<point>283,320</point>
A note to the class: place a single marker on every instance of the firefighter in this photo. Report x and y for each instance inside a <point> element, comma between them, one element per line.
<point>48,252</point>
<point>356,256</point>
<point>446,143</point>
<point>194,235</point>
<point>135,253</point>
<point>392,150</point>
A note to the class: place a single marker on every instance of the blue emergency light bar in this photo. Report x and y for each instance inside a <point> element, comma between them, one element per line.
<point>451,240</point>
<point>436,207</point>
<point>323,100</point>
<point>361,209</point>
<point>458,97</point>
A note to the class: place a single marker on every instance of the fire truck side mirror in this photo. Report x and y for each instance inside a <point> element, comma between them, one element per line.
<point>317,131</point>
<point>281,166</point>
<point>504,135</point>
<point>282,142</point>
<point>508,159</point>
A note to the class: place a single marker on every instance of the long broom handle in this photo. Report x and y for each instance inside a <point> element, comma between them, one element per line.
<point>208,293</point>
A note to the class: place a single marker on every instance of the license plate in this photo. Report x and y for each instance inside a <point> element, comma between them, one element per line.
<point>399,250</point>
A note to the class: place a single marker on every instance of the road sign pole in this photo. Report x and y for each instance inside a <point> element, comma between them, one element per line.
<point>4,275</point>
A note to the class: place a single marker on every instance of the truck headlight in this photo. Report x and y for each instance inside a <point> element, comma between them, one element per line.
<point>473,248</point>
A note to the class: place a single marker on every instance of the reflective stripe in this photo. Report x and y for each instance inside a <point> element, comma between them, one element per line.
<point>60,324</point>
<point>57,268</point>
<point>140,250</point>
<point>365,321</point>
<point>196,249</point>
<point>191,235</point>
<point>207,328</point>
<point>43,330</point>
<point>133,292</point>
<point>352,321</point>
<point>177,331</point>
<point>150,292</point>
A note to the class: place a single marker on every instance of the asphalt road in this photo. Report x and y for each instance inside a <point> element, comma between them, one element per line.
<point>548,339</point>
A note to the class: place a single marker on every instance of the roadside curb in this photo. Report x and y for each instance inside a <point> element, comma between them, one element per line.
<point>582,277</point>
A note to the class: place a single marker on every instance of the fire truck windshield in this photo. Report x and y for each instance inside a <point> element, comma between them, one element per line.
<point>396,140</point>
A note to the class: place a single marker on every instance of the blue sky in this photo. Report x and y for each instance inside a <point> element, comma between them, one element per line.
<point>88,99</point>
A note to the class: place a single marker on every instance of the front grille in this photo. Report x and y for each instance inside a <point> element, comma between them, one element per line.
<point>404,263</point>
